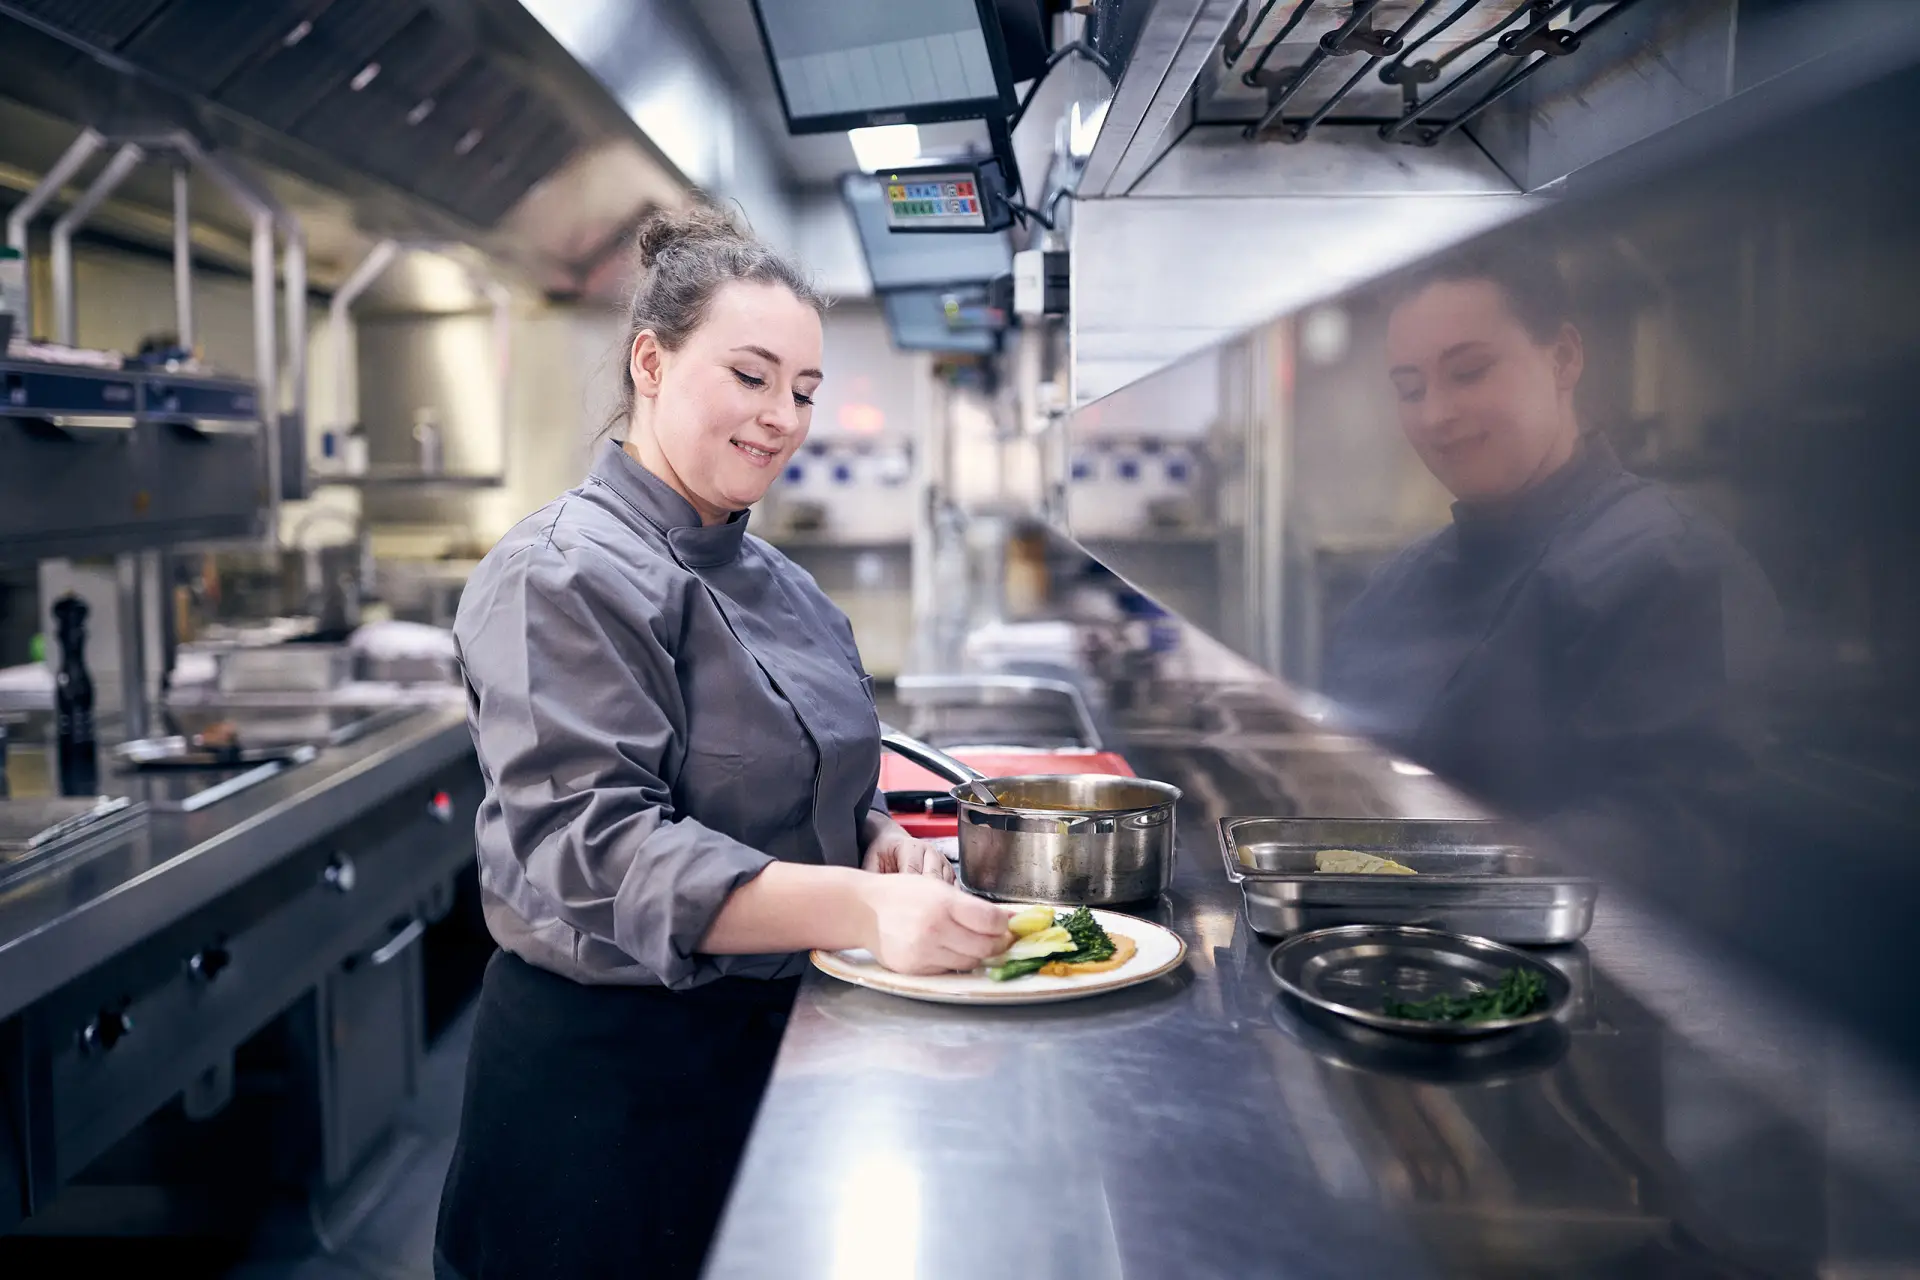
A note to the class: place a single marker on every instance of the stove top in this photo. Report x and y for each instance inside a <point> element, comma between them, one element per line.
<point>191,789</point>
<point>175,782</point>
<point>30,824</point>
<point>38,830</point>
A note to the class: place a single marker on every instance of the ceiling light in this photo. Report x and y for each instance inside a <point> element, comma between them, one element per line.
<point>887,146</point>
<point>295,36</point>
<point>468,141</point>
<point>1325,334</point>
<point>365,76</point>
<point>421,110</point>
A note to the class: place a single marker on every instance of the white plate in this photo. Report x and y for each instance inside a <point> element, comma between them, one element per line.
<point>1159,950</point>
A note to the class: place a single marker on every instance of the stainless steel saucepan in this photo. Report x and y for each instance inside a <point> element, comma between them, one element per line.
<point>1066,839</point>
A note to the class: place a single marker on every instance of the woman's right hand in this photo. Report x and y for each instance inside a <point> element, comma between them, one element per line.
<point>924,925</point>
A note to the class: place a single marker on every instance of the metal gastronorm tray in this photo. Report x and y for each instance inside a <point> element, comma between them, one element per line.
<point>1473,879</point>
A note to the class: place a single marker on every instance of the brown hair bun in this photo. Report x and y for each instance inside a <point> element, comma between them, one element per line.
<point>671,229</point>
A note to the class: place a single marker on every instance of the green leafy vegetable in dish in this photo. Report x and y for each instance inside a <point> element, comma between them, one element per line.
<point>1075,938</point>
<point>1016,968</point>
<point>1519,993</point>
<point>1091,943</point>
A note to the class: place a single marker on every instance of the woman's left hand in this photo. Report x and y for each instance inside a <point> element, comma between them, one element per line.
<point>892,851</point>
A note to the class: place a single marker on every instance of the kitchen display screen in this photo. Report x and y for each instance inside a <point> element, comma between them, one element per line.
<point>936,200</point>
<point>843,64</point>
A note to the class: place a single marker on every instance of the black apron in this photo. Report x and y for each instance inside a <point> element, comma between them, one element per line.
<point>602,1124</point>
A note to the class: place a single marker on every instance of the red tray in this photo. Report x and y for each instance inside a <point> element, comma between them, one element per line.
<point>900,774</point>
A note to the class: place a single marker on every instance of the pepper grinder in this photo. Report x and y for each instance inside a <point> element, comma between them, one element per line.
<point>73,702</point>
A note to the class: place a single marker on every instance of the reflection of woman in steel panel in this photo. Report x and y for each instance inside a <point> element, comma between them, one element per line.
<point>1577,644</point>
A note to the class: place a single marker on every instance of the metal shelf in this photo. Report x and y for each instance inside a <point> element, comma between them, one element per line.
<point>101,462</point>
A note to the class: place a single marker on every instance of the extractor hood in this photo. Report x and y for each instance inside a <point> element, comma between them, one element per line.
<point>1292,148</point>
<point>1545,88</point>
<point>435,119</point>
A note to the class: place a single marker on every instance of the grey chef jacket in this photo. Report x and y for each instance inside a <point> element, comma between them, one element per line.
<point>661,709</point>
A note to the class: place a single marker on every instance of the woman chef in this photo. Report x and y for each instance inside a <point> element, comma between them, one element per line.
<point>1578,646</point>
<point>681,753</point>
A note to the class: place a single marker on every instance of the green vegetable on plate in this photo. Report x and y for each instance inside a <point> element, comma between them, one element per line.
<point>1519,993</point>
<point>1075,938</point>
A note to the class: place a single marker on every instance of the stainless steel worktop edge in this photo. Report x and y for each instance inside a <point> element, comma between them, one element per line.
<point>57,926</point>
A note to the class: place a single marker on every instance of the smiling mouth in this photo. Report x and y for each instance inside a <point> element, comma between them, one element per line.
<point>1461,444</point>
<point>754,453</point>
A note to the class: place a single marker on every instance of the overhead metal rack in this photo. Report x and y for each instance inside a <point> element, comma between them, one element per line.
<point>1511,48</point>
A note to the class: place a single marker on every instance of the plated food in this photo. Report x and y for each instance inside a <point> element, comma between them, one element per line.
<point>1063,944</point>
<point>1044,972</point>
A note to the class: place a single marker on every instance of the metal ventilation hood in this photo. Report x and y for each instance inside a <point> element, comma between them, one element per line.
<point>441,119</point>
<point>1261,139</point>
<point>1544,87</point>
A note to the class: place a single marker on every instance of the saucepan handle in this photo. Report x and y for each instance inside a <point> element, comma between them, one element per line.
<point>930,758</point>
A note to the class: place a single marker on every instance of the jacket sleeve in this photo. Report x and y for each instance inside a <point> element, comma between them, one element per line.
<point>579,724</point>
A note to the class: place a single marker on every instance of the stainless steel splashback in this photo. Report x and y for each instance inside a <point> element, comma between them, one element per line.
<point>1740,745</point>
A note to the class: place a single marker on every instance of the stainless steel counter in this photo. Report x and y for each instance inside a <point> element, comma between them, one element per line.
<point>57,925</point>
<point>1682,1123</point>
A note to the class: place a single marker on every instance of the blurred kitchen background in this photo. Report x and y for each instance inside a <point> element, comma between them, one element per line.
<point>306,302</point>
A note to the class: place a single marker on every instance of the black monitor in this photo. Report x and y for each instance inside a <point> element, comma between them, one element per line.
<point>949,321</point>
<point>848,64</point>
<point>904,260</point>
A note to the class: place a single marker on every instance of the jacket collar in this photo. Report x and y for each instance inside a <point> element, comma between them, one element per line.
<point>696,545</point>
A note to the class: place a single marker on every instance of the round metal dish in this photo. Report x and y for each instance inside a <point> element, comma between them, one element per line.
<point>1351,972</point>
<point>1485,1062</point>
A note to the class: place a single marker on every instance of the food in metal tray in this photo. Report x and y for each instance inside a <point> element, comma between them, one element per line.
<point>1060,945</point>
<point>1346,862</point>
<point>1519,993</point>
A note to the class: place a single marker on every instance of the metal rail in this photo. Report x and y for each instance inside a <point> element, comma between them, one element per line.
<point>1251,77</point>
<point>1567,43</point>
<point>1534,41</point>
<point>182,259</point>
<point>1402,70</point>
<point>66,321</point>
<point>71,161</point>
<point>1506,46</point>
<point>1398,39</point>
<point>1240,47</point>
<point>1334,44</point>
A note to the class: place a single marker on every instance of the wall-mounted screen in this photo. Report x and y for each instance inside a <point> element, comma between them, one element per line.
<point>904,260</point>
<point>953,322</point>
<point>847,64</point>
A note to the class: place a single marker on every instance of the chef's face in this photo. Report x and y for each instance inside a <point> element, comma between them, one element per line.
<point>730,407</point>
<point>1486,405</point>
